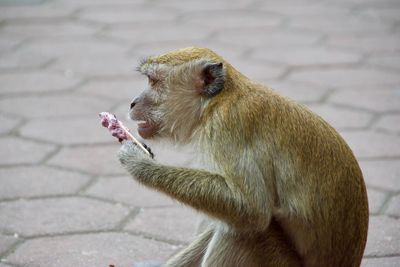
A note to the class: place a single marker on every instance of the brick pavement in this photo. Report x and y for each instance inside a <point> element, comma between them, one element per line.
<point>64,199</point>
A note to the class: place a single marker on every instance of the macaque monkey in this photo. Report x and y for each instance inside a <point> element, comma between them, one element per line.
<point>282,188</point>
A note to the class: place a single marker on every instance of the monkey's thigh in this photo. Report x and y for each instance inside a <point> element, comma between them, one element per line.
<point>270,248</point>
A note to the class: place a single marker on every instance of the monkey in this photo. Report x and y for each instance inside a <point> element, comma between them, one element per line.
<point>280,188</point>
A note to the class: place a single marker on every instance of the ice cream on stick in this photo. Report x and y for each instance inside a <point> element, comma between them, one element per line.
<point>118,130</point>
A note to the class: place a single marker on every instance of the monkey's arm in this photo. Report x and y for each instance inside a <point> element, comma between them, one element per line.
<point>210,193</point>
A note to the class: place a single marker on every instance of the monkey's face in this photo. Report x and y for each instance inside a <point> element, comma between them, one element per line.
<point>176,97</point>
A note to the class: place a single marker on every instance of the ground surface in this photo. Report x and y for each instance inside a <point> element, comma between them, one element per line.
<point>64,199</point>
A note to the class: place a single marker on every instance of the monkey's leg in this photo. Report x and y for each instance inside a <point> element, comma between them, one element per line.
<point>193,254</point>
<point>267,249</point>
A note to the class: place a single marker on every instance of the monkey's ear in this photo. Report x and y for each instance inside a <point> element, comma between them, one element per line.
<point>213,79</point>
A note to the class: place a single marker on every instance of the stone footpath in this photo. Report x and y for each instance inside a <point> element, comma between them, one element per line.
<point>64,199</point>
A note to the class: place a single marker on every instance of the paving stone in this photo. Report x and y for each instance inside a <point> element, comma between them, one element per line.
<point>300,91</point>
<point>17,151</point>
<point>372,144</point>
<point>54,29</point>
<point>122,113</point>
<point>39,181</point>
<point>342,118</point>
<point>335,24</point>
<point>101,249</point>
<point>102,40</point>
<point>100,159</point>
<point>307,56</point>
<point>375,100</point>
<point>8,123</point>
<point>8,43</point>
<point>128,14</point>
<point>162,33</point>
<point>37,81</point>
<point>20,60</point>
<point>59,215</point>
<point>388,60</point>
<point>376,198</point>
<point>85,47</point>
<point>172,223</point>
<point>159,48</point>
<point>6,242</point>
<point>53,106</point>
<point>381,262</point>
<point>237,19</point>
<point>366,43</point>
<point>394,206</point>
<point>260,39</point>
<point>33,12</point>
<point>20,2</point>
<point>105,65</point>
<point>383,236</point>
<point>312,9</point>
<point>65,130</point>
<point>346,77</point>
<point>390,122</point>
<point>384,174</point>
<point>116,89</point>
<point>193,5</point>
<point>389,14</point>
<point>97,3</point>
<point>259,71</point>
<point>126,190</point>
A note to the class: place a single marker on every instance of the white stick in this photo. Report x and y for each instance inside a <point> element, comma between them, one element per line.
<point>134,139</point>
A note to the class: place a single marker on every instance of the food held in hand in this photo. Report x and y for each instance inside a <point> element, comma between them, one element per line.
<point>118,130</point>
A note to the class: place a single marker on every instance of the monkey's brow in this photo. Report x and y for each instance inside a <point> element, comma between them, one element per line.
<point>142,62</point>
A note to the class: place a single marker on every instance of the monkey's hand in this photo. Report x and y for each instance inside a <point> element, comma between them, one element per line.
<point>131,155</point>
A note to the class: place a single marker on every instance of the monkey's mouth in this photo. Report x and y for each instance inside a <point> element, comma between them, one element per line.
<point>146,129</point>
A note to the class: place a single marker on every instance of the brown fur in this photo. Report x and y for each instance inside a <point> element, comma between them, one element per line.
<point>285,189</point>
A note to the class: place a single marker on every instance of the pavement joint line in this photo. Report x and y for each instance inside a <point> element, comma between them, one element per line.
<point>34,139</point>
<point>156,238</point>
<point>354,108</point>
<point>386,202</point>
<point>386,131</point>
<point>375,117</point>
<point>15,130</point>
<point>391,255</point>
<point>381,189</point>
<point>82,190</point>
<point>12,248</point>
<point>50,155</point>
<point>12,264</point>
<point>372,158</point>
<point>109,230</point>
<point>122,203</point>
<point>128,218</point>
<point>71,169</point>
<point>63,196</point>
<point>106,200</point>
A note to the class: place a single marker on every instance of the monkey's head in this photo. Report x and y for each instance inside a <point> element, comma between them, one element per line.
<point>181,85</point>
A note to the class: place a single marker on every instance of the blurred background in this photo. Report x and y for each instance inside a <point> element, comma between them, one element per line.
<point>64,199</point>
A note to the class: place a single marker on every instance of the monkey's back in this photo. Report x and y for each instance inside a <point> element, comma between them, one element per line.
<point>318,171</point>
